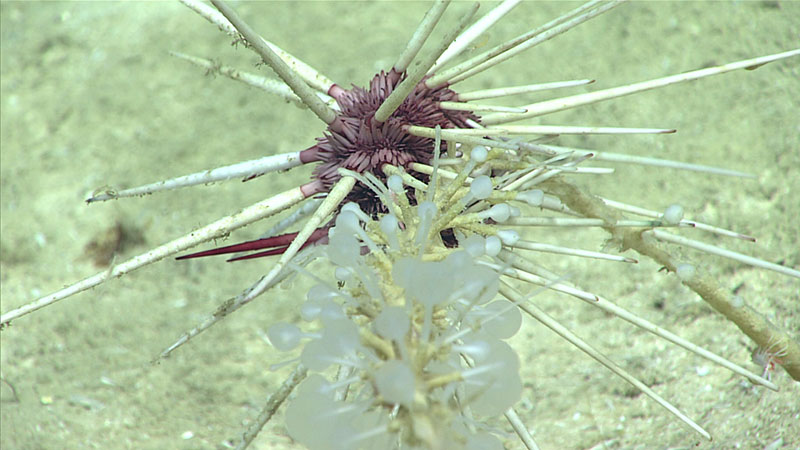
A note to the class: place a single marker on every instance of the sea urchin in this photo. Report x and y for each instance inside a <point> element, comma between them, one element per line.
<point>504,171</point>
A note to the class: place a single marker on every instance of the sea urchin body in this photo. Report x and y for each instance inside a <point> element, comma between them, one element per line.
<point>357,141</point>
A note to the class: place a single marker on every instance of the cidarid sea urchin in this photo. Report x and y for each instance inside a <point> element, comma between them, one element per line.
<point>551,163</point>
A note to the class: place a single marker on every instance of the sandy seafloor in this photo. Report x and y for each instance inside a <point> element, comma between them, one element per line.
<point>90,97</point>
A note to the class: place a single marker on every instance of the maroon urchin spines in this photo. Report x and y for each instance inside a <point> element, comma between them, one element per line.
<point>357,142</point>
<point>359,103</point>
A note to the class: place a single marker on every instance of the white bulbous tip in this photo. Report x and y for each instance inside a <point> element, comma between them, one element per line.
<point>508,237</point>
<point>395,382</point>
<point>331,311</point>
<point>284,336</point>
<point>352,207</point>
<point>392,323</point>
<point>479,154</point>
<point>500,319</point>
<point>475,245</point>
<point>310,310</point>
<point>493,245</point>
<point>500,212</point>
<point>348,221</point>
<point>533,198</point>
<point>395,183</point>
<point>389,224</point>
<point>673,214</point>
<point>481,187</point>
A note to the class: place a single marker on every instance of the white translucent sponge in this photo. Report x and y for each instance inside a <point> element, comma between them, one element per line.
<point>392,323</point>
<point>395,382</point>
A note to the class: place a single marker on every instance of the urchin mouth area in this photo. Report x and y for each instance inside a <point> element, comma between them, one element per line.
<point>357,141</point>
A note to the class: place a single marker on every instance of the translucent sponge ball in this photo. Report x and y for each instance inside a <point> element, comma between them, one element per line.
<point>395,382</point>
<point>494,384</point>
<point>392,323</point>
<point>284,336</point>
